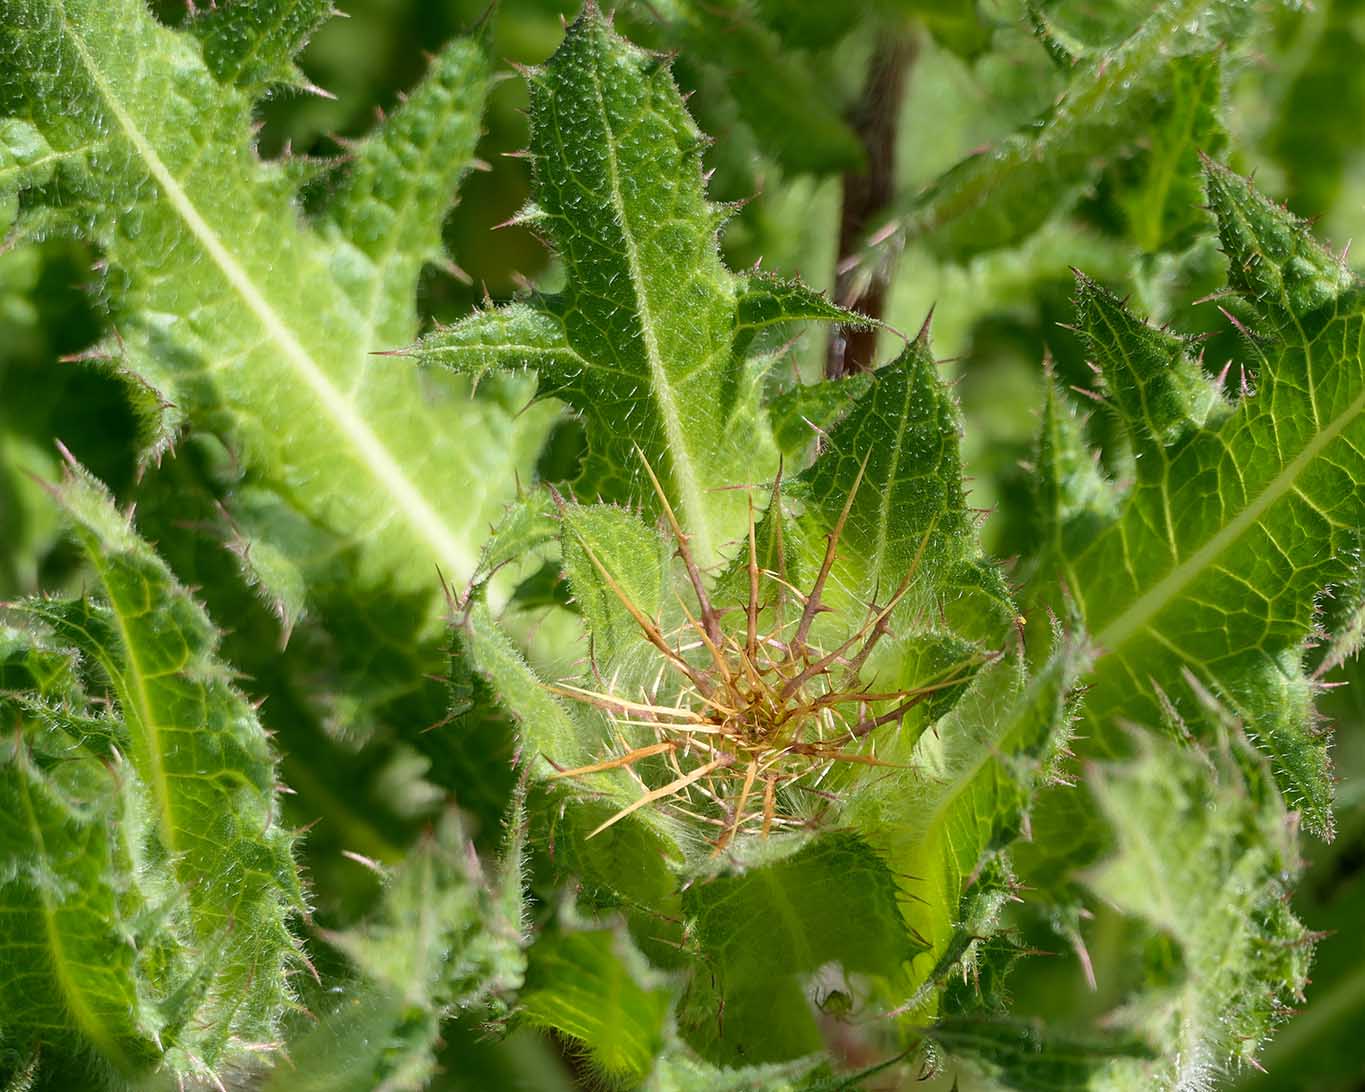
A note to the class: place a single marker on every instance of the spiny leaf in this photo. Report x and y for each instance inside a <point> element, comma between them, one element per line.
<point>252,324</point>
<point>801,414</point>
<point>195,742</point>
<point>253,44</point>
<point>180,853</point>
<point>634,556</point>
<point>65,875</point>
<point>1071,495</point>
<point>1318,1046</point>
<point>550,725</point>
<point>1273,259</point>
<point>647,339</point>
<point>1156,387</point>
<point>442,940</point>
<point>896,455</point>
<point>976,776</point>
<point>1205,851</point>
<point>999,197</point>
<point>593,987</point>
<point>1206,582</point>
<point>397,187</point>
<point>884,515</point>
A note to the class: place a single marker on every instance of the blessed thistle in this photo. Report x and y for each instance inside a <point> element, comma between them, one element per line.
<point>760,714</point>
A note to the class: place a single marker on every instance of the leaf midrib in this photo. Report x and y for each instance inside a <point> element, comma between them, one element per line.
<point>137,696</point>
<point>684,473</point>
<point>1170,587</point>
<point>375,455</point>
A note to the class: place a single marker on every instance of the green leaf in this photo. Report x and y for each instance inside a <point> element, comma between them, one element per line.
<point>629,867</point>
<point>253,44</point>
<point>64,869</point>
<point>780,94</point>
<point>1071,495</point>
<point>976,777</point>
<point>896,454</point>
<point>1240,516</point>
<point>763,934</point>
<point>1153,384</point>
<point>1318,1046</point>
<point>180,938</point>
<point>256,326</point>
<point>550,726</point>
<point>678,1070</point>
<point>1159,189</point>
<point>1205,854</point>
<point>634,558</point>
<point>804,412</point>
<point>443,939</point>
<point>647,339</point>
<point>592,986</point>
<point>999,197</point>
<point>890,482</point>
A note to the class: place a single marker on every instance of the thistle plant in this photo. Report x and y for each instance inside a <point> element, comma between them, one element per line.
<point>617,672</point>
<point>766,710</point>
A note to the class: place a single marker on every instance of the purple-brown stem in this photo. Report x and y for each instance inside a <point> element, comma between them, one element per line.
<point>867,195</point>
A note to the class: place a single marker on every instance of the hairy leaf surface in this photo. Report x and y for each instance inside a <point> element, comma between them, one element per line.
<point>1205,850</point>
<point>593,987</point>
<point>648,339</point>
<point>1241,514</point>
<point>253,324</point>
<point>152,891</point>
<point>444,939</point>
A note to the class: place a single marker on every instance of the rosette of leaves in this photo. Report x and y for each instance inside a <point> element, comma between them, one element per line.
<point>802,679</point>
<point>789,781</point>
<point>741,741</point>
<point>817,755</point>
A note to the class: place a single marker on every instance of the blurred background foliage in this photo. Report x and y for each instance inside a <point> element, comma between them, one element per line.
<point>970,75</point>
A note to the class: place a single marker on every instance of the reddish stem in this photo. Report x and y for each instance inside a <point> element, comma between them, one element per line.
<point>867,195</point>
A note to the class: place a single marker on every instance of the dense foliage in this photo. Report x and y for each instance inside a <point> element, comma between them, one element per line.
<point>592,662</point>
